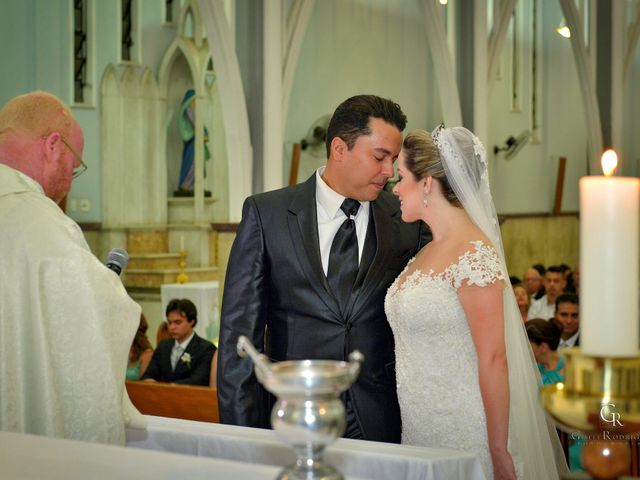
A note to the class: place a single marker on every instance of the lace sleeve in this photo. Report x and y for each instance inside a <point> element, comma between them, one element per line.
<point>480,266</point>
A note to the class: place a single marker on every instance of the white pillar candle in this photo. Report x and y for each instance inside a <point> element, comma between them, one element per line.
<point>609,218</point>
<point>182,243</point>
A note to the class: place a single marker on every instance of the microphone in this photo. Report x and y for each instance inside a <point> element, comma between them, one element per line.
<point>117,260</point>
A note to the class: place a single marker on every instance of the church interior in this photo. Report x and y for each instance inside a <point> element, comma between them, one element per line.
<point>266,74</point>
<point>249,87</point>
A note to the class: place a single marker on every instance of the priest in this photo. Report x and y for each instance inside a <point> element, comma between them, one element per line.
<point>66,321</point>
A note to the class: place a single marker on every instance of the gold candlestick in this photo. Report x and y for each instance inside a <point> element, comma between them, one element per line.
<point>600,403</point>
<point>182,276</point>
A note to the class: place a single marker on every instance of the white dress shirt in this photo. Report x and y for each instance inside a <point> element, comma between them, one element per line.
<point>330,217</point>
<point>178,353</point>
<point>569,342</point>
<point>185,343</point>
<point>541,309</point>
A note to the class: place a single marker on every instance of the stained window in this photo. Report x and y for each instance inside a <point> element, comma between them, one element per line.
<point>127,29</point>
<point>80,50</point>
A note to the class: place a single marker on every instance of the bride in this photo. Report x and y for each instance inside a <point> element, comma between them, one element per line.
<point>465,374</point>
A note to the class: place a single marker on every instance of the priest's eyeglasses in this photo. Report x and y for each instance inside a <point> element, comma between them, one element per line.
<point>79,170</point>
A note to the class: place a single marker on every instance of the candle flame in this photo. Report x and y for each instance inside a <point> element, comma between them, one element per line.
<point>609,162</point>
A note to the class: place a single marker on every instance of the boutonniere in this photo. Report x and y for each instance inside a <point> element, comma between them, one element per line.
<point>186,358</point>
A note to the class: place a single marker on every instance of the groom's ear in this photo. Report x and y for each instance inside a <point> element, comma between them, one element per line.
<point>338,148</point>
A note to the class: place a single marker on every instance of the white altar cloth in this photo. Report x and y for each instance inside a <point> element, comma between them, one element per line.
<point>32,457</point>
<point>372,460</point>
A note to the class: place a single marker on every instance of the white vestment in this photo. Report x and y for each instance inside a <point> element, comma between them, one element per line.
<point>66,324</point>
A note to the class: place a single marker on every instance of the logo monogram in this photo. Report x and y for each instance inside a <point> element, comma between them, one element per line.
<point>615,416</point>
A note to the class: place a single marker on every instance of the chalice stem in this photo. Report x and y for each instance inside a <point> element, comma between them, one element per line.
<point>310,465</point>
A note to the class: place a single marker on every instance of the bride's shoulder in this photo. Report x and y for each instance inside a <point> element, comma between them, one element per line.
<point>473,242</point>
<point>478,263</point>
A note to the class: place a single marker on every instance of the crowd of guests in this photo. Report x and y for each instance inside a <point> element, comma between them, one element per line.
<point>549,302</point>
<point>548,299</point>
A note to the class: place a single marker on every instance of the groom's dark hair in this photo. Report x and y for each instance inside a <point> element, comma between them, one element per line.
<point>351,118</point>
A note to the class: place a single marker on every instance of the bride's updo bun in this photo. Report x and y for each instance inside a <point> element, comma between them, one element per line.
<point>422,159</point>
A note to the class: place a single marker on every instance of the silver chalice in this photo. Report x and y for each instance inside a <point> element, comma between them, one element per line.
<point>308,414</point>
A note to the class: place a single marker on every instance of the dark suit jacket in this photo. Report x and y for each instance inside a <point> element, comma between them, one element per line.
<point>196,372</point>
<point>275,282</point>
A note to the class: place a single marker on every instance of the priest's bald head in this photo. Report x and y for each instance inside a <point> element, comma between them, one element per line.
<point>40,138</point>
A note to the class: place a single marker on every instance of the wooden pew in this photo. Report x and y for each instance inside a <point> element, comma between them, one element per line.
<point>189,402</point>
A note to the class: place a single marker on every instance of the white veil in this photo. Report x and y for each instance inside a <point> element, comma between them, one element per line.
<point>532,439</point>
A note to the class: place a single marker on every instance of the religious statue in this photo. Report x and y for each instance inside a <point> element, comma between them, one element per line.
<point>186,126</point>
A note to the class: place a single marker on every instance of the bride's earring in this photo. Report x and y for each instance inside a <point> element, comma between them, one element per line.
<point>424,194</point>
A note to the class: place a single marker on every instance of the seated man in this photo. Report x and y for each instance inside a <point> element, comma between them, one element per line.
<point>185,358</point>
<point>568,314</point>
<point>554,285</point>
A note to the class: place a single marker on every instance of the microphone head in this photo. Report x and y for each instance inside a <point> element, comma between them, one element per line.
<point>118,258</point>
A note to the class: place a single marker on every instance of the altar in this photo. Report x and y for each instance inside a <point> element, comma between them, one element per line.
<point>28,457</point>
<point>354,458</point>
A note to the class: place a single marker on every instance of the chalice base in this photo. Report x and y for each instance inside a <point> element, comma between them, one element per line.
<point>306,469</point>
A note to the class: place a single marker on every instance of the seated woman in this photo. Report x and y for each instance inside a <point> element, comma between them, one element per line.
<point>140,352</point>
<point>544,336</point>
<point>162,333</point>
<point>523,300</point>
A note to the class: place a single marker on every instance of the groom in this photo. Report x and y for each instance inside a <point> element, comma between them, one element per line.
<point>307,281</point>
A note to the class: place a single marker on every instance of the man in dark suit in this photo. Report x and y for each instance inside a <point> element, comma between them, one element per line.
<point>185,358</point>
<point>568,314</point>
<point>306,280</point>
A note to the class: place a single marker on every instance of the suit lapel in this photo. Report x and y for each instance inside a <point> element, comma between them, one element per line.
<point>368,253</point>
<point>191,349</point>
<point>303,227</point>
<point>165,361</point>
<point>383,218</point>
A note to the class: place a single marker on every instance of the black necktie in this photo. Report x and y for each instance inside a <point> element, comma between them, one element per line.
<point>343,257</point>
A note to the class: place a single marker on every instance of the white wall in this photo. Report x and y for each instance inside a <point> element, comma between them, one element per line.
<point>350,48</point>
<point>526,183</point>
<point>630,158</point>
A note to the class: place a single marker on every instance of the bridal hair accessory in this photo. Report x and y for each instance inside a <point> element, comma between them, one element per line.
<point>435,135</point>
<point>465,164</point>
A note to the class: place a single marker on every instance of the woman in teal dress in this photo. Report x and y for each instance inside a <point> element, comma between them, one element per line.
<point>544,336</point>
<point>140,352</point>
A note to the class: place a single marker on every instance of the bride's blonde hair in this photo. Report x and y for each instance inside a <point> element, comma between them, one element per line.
<point>422,159</point>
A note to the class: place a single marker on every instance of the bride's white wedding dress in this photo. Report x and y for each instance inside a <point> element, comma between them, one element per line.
<point>436,360</point>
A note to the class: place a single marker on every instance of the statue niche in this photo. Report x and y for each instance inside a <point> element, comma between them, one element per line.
<point>187,129</point>
<point>196,157</point>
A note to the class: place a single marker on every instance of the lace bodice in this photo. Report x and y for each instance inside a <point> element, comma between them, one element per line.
<point>436,360</point>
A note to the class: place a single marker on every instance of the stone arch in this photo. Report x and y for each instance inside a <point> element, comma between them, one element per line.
<point>184,66</point>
